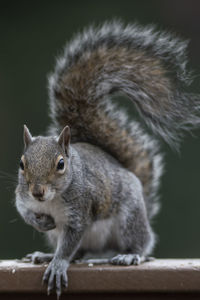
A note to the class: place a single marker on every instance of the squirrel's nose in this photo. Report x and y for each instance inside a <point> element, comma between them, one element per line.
<point>38,194</point>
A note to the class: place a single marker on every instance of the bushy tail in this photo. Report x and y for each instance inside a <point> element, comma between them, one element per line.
<point>147,66</point>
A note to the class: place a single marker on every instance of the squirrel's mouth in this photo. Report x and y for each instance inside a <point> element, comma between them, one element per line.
<point>41,199</point>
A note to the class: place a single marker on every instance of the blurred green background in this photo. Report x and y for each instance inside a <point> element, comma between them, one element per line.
<point>31,34</point>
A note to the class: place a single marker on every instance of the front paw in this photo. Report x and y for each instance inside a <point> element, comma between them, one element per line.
<point>43,222</point>
<point>56,276</point>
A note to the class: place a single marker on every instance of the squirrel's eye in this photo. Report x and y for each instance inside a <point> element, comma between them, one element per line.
<point>21,164</point>
<point>61,164</point>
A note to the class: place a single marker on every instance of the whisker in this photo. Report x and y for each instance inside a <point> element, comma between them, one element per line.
<point>10,188</point>
<point>13,221</point>
<point>8,178</point>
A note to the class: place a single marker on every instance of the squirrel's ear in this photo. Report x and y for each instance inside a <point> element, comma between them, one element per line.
<point>27,137</point>
<point>64,139</point>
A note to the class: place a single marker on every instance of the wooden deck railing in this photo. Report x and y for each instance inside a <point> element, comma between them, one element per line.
<point>158,279</point>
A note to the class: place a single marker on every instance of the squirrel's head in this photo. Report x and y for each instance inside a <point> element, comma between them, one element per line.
<point>44,165</point>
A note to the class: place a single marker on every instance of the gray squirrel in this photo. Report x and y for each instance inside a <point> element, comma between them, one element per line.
<point>92,184</point>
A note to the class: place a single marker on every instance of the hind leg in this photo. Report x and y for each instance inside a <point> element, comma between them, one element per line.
<point>135,240</point>
<point>134,234</point>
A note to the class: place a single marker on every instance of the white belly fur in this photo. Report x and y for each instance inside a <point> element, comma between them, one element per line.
<point>97,235</point>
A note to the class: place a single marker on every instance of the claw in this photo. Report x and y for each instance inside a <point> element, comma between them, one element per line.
<point>46,275</point>
<point>51,281</point>
<point>64,280</point>
<point>58,285</point>
<point>48,291</point>
<point>136,260</point>
<point>27,258</point>
<point>58,295</point>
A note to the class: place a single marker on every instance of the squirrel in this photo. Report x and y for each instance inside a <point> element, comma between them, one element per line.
<point>92,183</point>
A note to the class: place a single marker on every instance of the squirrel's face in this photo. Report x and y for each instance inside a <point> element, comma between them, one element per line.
<point>44,166</point>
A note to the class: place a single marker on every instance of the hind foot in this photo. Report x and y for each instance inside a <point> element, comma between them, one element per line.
<point>38,257</point>
<point>127,259</point>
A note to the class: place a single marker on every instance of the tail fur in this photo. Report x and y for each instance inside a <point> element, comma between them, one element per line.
<point>149,67</point>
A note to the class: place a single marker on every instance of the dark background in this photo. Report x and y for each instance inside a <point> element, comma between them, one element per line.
<point>31,34</point>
